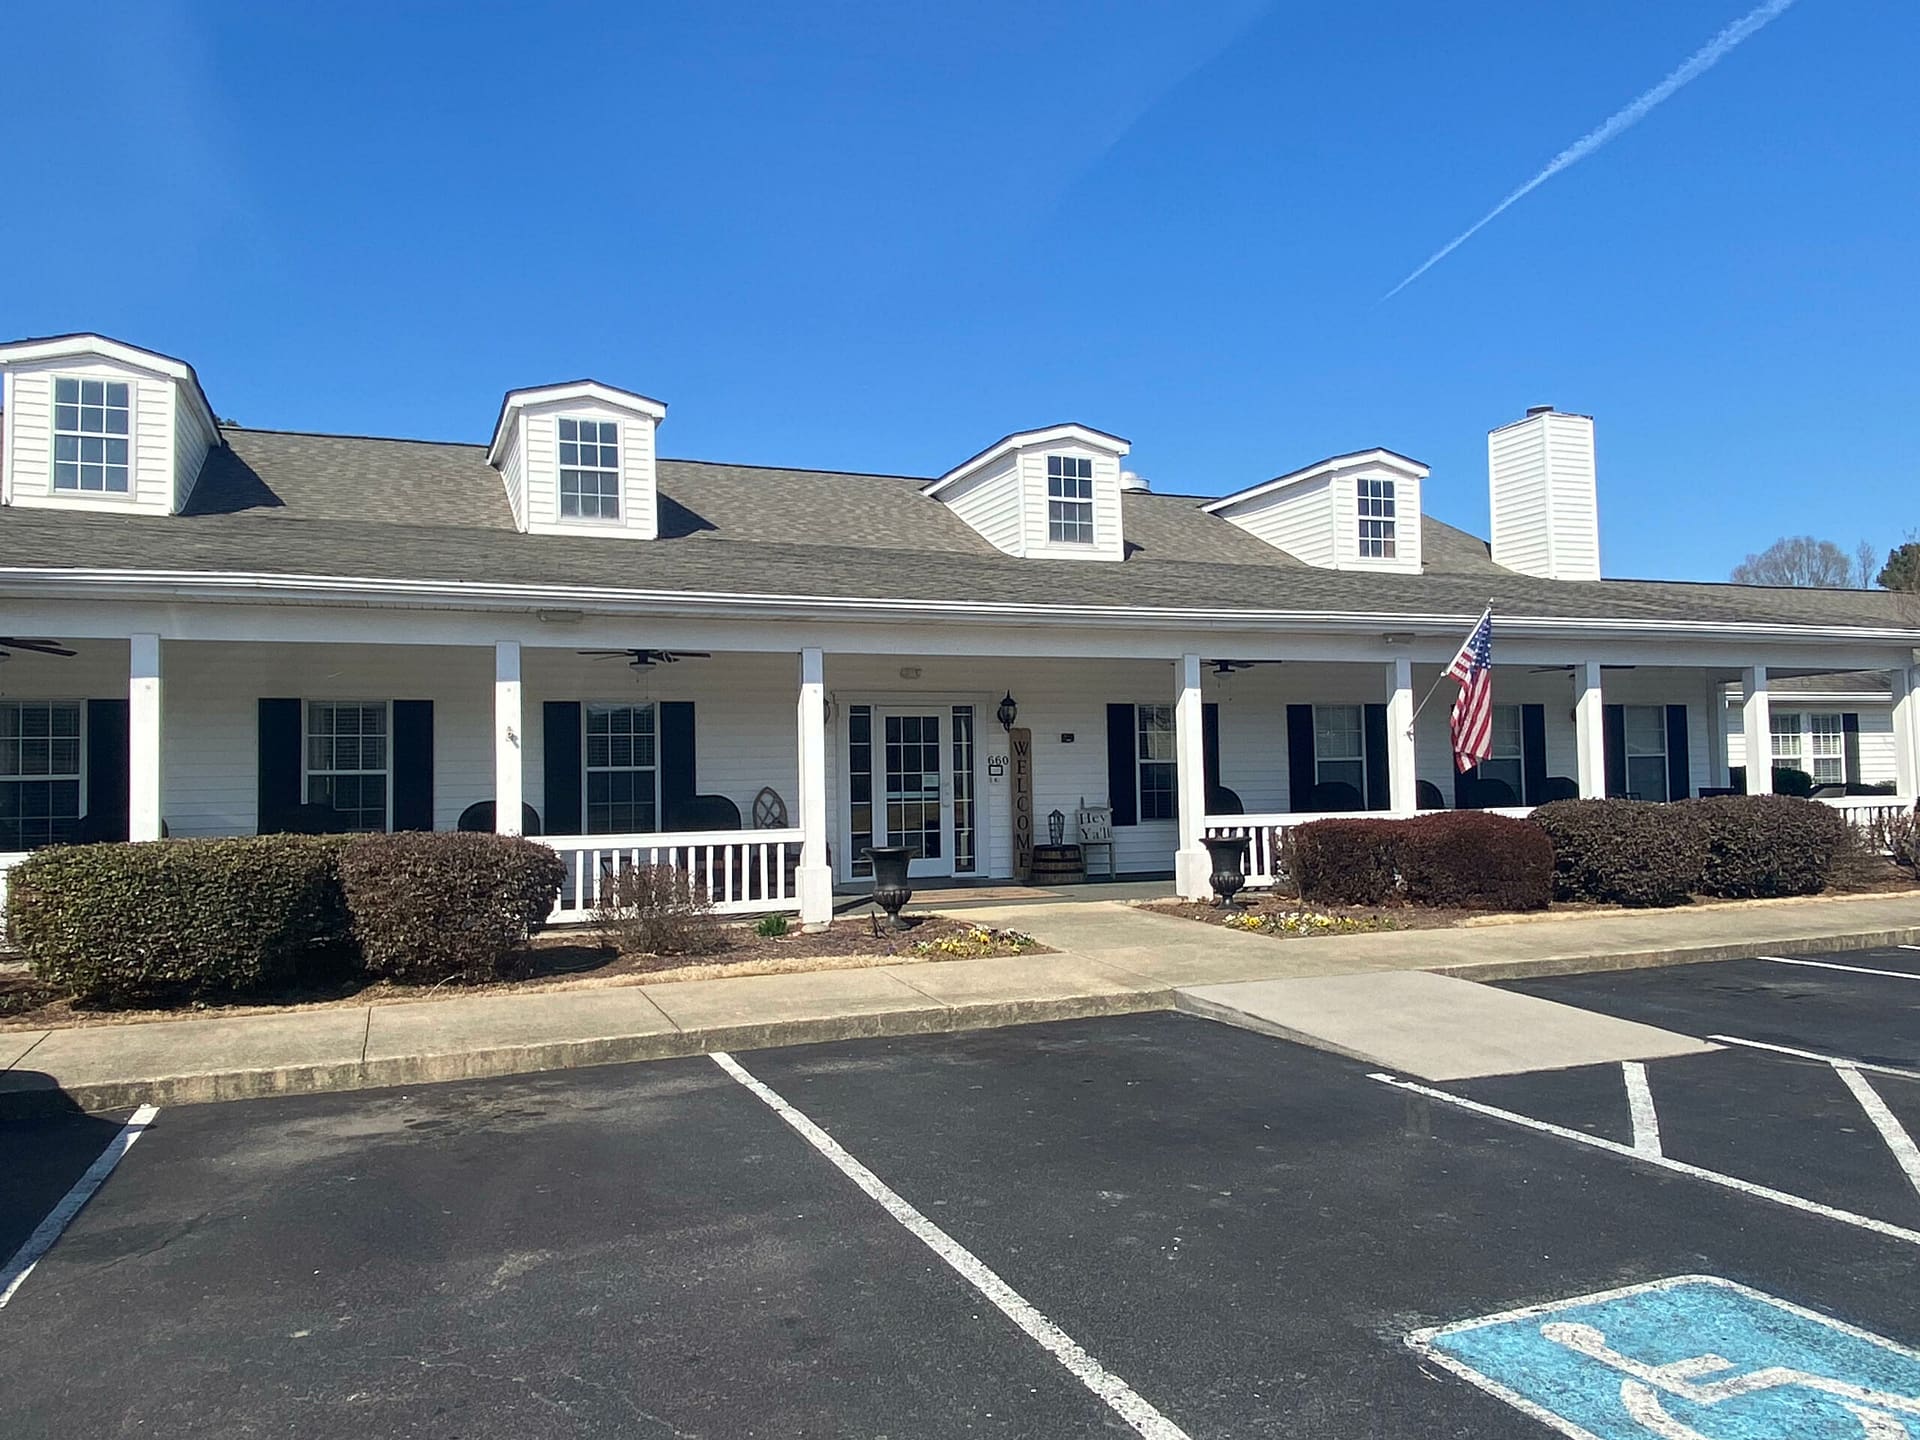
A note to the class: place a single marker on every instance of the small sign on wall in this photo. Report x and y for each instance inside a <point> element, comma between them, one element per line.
<point>1020,746</point>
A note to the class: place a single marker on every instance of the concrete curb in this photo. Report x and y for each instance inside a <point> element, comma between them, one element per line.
<point>217,1086</point>
<point>17,1096</point>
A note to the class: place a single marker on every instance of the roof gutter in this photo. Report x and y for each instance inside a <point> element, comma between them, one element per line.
<point>242,588</point>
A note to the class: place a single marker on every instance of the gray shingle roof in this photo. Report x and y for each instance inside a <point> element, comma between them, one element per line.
<point>279,503</point>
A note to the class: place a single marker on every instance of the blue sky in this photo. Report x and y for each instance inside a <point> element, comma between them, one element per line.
<point>879,235</point>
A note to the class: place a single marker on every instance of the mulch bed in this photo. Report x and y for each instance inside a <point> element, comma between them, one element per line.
<point>562,959</point>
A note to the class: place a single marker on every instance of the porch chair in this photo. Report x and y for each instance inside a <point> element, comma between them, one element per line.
<point>1222,801</point>
<point>1559,787</point>
<point>1472,793</point>
<point>477,819</point>
<point>1093,827</point>
<point>1333,797</point>
<point>1427,796</point>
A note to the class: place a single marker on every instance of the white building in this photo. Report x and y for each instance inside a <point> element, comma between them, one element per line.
<point>271,629</point>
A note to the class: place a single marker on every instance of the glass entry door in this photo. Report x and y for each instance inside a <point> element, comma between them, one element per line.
<point>917,798</point>
<point>911,781</point>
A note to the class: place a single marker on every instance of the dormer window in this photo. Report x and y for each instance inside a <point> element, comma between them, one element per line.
<point>589,469</point>
<point>91,422</point>
<point>1070,499</point>
<point>1375,501</point>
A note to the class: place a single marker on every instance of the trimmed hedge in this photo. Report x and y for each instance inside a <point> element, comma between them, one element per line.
<point>1624,852</point>
<point>446,906</point>
<point>1346,862</point>
<point>1474,861</point>
<point>123,924</point>
<point>1766,845</point>
<point>1455,858</point>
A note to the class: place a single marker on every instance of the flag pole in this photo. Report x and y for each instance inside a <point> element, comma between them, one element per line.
<point>1485,615</point>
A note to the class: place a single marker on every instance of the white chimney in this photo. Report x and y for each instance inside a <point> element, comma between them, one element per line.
<point>1131,481</point>
<point>1546,512</point>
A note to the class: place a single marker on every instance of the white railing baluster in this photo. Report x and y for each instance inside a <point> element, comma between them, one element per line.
<point>720,861</point>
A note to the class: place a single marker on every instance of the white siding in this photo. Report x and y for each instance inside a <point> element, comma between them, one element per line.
<point>639,510</point>
<point>513,467</point>
<point>1108,541</point>
<point>1297,519</point>
<point>1542,488</point>
<point>191,441</point>
<point>1317,519</point>
<point>990,502</point>
<point>29,421</point>
<point>1878,759</point>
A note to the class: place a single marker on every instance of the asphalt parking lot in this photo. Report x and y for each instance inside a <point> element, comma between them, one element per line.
<point>1148,1225</point>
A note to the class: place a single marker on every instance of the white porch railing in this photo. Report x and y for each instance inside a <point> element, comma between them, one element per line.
<point>744,872</point>
<point>1864,810</point>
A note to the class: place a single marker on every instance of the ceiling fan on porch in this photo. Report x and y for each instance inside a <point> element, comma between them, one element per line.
<point>1227,667</point>
<point>647,659</point>
<point>1568,669</point>
<point>11,643</point>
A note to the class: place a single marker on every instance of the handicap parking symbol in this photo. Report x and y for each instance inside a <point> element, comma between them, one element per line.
<point>1691,1358</point>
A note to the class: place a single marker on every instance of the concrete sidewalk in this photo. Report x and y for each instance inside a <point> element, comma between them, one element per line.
<point>1114,958</point>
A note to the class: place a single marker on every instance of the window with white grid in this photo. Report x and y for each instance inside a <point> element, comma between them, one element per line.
<point>1159,771</point>
<point>347,758</point>
<point>623,772</point>
<point>39,773</point>
<point>1375,501</point>
<point>92,420</point>
<point>1340,747</point>
<point>1070,499</point>
<point>1826,749</point>
<point>589,469</point>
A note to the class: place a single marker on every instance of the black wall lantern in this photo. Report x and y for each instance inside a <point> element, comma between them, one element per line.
<point>1008,712</point>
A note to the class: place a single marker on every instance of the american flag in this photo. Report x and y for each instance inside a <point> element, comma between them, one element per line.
<point>1473,711</point>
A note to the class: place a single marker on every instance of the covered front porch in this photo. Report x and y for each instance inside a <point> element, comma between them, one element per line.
<point>766,765</point>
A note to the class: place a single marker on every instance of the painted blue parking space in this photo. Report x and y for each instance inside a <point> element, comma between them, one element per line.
<point>1690,1358</point>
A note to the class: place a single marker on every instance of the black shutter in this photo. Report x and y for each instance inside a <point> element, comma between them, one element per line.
<point>1850,733</point>
<point>413,765</point>
<point>1613,734</point>
<point>560,720</point>
<point>107,769</point>
<point>1679,763</point>
<point>1123,775</point>
<point>1379,783</point>
<point>1210,746</point>
<point>1533,753</point>
<point>1299,756</point>
<point>677,772</point>
<point>278,773</point>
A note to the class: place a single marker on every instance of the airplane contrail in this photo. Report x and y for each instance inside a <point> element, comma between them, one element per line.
<point>1697,64</point>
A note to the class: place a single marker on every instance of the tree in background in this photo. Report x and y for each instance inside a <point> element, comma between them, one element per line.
<point>1866,564</point>
<point>1902,570</point>
<point>1798,560</point>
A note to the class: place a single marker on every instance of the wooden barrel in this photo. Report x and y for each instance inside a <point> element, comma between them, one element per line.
<point>1058,865</point>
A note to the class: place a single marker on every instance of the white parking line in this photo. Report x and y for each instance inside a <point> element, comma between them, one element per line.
<point>1816,1055</point>
<point>1829,965</point>
<point>1905,1154</point>
<point>61,1216</point>
<point>1679,1167</point>
<point>1910,947</point>
<point>1646,1120</point>
<point>1119,1396</point>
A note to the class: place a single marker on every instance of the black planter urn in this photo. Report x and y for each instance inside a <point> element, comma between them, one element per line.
<point>891,887</point>
<point>1229,855</point>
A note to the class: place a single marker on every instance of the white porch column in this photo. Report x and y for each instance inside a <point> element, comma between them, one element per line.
<point>1589,730</point>
<point>1906,730</point>
<point>509,775</point>
<point>1403,777</point>
<point>1756,719</point>
<point>1190,864</point>
<point>143,738</point>
<point>815,877</point>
